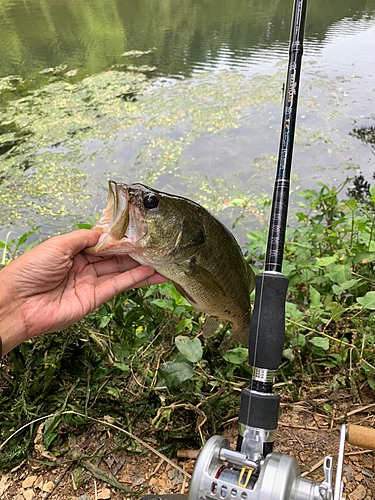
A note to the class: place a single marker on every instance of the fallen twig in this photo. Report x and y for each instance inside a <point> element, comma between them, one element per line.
<point>139,440</point>
<point>183,483</point>
<point>353,412</point>
<point>132,436</point>
<point>188,454</point>
<point>359,452</point>
<point>304,427</point>
<point>314,467</point>
<point>58,480</point>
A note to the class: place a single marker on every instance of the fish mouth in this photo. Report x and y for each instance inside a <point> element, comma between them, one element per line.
<point>120,224</point>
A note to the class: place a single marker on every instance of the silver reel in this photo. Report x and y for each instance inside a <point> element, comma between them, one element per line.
<point>223,474</point>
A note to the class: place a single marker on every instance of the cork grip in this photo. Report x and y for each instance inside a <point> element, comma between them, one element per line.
<point>364,437</point>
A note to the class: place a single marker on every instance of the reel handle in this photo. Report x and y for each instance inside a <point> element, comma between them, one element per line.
<point>364,437</point>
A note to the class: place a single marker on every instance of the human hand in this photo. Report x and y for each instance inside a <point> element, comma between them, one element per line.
<point>53,285</point>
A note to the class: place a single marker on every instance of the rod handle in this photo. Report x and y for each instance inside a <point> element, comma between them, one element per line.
<point>364,437</point>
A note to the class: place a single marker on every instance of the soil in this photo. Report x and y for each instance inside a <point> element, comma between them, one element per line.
<point>305,432</point>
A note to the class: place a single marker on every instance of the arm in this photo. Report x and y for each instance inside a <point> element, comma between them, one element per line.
<point>54,285</point>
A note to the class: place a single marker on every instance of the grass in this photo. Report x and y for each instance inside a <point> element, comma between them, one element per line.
<point>139,361</point>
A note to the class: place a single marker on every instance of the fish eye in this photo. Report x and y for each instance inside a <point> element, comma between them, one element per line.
<point>150,201</point>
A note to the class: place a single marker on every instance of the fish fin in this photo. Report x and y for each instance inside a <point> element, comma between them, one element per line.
<point>251,277</point>
<point>210,326</point>
<point>183,293</point>
<point>204,277</point>
<point>242,336</point>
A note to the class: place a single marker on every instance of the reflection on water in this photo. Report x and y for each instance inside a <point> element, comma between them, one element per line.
<point>189,35</point>
<point>193,103</point>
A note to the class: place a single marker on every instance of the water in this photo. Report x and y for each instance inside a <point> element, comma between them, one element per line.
<point>182,94</point>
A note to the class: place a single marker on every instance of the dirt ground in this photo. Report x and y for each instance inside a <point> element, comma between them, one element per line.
<point>303,432</point>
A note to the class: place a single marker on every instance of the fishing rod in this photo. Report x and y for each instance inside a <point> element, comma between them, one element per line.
<point>253,471</point>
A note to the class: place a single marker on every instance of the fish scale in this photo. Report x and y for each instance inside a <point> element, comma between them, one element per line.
<point>184,242</point>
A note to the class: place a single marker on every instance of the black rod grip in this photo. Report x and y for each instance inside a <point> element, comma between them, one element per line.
<point>259,410</point>
<point>267,326</point>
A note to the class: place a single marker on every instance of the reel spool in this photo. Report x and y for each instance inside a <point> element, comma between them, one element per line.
<point>223,474</point>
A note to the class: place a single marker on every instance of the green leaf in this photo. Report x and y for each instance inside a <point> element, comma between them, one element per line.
<point>172,292</point>
<point>328,408</point>
<point>172,374</point>
<point>340,274</point>
<point>336,310</point>
<point>26,235</point>
<point>326,261</point>
<point>372,192</point>
<point>317,228</point>
<point>49,433</point>
<point>122,367</point>
<point>337,358</point>
<point>114,391</point>
<point>238,219</point>
<point>104,321</point>
<point>257,235</point>
<point>191,349</point>
<point>308,194</point>
<point>104,476</point>
<point>84,226</point>
<point>184,323</point>
<point>364,257</point>
<point>314,297</point>
<point>292,311</point>
<point>164,304</point>
<point>338,289</point>
<point>371,383</point>
<point>237,356</point>
<point>321,342</point>
<point>367,301</point>
<point>31,245</point>
<point>48,438</point>
<point>351,204</point>
<point>288,354</point>
<point>288,267</point>
<point>239,202</point>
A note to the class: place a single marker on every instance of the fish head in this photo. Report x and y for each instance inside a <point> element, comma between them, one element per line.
<point>143,220</point>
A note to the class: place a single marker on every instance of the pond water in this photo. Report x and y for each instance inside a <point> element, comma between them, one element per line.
<point>185,95</point>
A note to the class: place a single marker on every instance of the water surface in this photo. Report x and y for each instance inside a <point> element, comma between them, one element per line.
<point>185,95</point>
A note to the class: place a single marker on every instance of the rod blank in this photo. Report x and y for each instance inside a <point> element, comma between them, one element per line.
<point>279,211</point>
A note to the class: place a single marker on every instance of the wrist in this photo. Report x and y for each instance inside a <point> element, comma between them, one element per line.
<point>12,328</point>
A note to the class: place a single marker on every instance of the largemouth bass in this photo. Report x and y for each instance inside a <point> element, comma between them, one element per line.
<point>183,242</point>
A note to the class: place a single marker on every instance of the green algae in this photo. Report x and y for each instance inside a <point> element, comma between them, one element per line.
<point>62,141</point>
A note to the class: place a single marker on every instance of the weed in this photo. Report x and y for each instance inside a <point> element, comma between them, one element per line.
<point>140,361</point>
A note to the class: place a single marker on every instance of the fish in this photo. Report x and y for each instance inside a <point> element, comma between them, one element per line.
<point>184,242</point>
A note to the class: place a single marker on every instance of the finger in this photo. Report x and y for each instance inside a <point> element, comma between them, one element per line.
<point>117,264</point>
<point>76,241</point>
<point>111,287</point>
<point>90,258</point>
<point>155,279</point>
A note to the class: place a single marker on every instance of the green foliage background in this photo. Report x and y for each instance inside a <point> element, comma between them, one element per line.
<point>139,360</point>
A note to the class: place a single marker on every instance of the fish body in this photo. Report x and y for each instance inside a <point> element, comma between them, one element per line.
<point>184,242</point>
